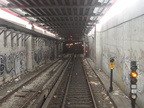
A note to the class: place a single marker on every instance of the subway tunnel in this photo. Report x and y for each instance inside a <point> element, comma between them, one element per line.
<point>71,54</point>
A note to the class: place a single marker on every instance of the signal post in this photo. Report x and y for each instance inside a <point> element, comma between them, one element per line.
<point>111,74</point>
<point>133,83</point>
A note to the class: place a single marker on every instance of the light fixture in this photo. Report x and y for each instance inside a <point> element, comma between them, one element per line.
<point>20,11</point>
<point>4,2</point>
<point>95,10</point>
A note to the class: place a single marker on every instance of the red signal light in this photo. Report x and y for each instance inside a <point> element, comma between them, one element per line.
<point>70,37</point>
<point>86,51</point>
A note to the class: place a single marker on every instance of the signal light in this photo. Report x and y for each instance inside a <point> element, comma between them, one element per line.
<point>134,77</point>
<point>133,80</point>
<point>70,37</point>
<point>134,74</point>
<point>112,60</point>
<point>133,86</point>
<point>133,96</point>
<point>86,51</point>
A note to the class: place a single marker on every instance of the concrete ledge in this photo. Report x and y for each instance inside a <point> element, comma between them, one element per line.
<point>119,99</point>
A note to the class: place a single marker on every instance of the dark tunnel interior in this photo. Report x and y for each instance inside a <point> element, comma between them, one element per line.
<point>75,47</point>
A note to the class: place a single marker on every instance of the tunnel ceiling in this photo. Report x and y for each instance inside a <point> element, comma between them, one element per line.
<point>63,17</point>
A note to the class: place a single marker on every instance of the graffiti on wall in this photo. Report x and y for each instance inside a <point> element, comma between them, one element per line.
<point>45,56</point>
<point>38,56</point>
<point>13,63</point>
<point>2,65</point>
<point>20,63</point>
<point>41,56</point>
<point>10,63</point>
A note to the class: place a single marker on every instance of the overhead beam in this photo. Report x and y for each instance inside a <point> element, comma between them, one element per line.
<point>65,21</point>
<point>52,27</point>
<point>72,26</point>
<point>56,6</point>
<point>39,16</point>
<point>64,28</point>
<point>84,25</point>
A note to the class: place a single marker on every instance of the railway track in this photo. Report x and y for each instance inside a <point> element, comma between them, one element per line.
<point>25,93</point>
<point>73,91</point>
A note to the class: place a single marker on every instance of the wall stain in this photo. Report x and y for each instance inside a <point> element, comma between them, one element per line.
<point>140,82</point>
<point>119,68</point>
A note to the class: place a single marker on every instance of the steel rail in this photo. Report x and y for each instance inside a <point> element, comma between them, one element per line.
<point>67,91</point>
<point>67,87</point>
<point>25,83</point>
<point>50,96</point>
<point>92,95</point>
<point>68,84</point>
<point>41,99</point>
<point>40,87</point>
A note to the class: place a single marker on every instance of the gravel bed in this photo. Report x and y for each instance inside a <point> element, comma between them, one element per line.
<point>100,94</point>
<point>34,84</point>
<point>9,86</point>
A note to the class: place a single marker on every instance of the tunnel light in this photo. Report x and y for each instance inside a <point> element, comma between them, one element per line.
<point>33,19</point>
<point>47,27</point>
<point>20,11</point>
<point>4,2</point>
<point>91,18</point>
<point>41,24</point>
<point>95,10</point>
<point>17,20</point>
<point>10,17</point>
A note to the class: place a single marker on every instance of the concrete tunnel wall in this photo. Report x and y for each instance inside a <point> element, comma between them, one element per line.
<point>122,37</point>
<point>20,58</point>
